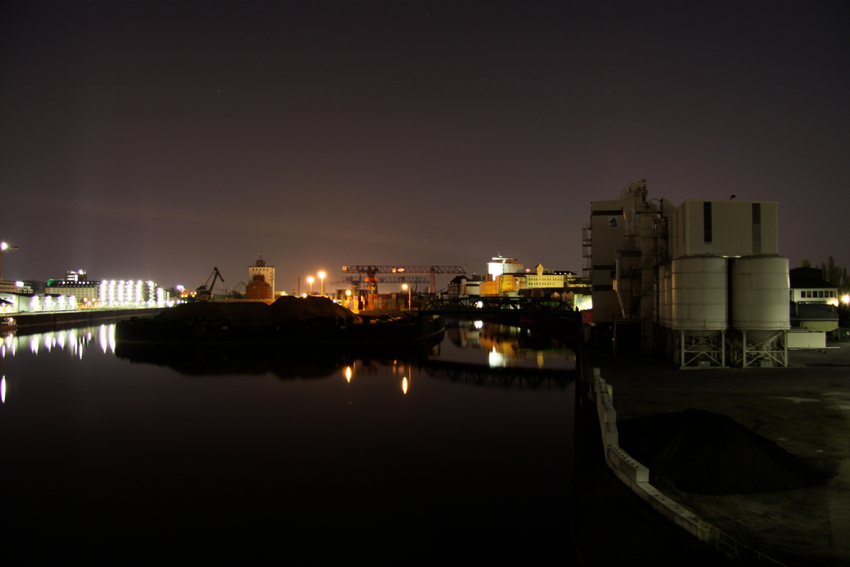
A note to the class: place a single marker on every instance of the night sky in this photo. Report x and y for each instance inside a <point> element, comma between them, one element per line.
<point>155,140</point>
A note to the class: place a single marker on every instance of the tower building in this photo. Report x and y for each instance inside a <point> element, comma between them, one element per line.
<point>261,268</point>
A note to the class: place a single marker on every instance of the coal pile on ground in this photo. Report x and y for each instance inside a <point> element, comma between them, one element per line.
<point>703,452</point>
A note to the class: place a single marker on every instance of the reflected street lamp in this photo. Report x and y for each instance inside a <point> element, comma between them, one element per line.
<point>310,280</point>
<point>322,277</point>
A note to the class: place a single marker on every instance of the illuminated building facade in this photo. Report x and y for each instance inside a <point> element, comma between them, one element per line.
<point>499,265</point>
<point>261,268</point>
<point>79,289</point>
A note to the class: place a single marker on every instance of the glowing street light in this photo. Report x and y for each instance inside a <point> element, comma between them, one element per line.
<point>310,281</point>
<point>322,277</point>
<point>3,247</point>
<point>409,291</point>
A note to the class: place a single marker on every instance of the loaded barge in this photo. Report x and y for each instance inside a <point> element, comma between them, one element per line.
<point>288,322</point>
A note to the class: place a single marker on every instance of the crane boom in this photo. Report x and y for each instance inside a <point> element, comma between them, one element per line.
<point>205,294</point>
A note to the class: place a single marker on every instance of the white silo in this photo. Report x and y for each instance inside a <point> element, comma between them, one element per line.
<point>760,309</point>
<point>699,310</point>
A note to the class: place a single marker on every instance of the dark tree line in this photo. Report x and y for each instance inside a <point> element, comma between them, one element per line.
<point>833,273</point>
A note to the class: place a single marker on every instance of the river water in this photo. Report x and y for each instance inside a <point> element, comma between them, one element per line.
<point>207,456</point>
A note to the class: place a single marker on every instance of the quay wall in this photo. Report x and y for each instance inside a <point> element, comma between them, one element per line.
<point>81,316</point>
<point>634,474</point>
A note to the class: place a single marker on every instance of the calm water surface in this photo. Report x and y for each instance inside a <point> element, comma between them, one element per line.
<point>218,455</point>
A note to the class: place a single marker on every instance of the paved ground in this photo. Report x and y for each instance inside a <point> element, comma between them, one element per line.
<point>804,408</point>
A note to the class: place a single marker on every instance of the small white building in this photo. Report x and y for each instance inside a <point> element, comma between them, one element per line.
<point>808,286</point>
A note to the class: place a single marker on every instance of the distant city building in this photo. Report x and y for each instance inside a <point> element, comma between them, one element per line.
<point>542,278</point>
<point>499,265</point>
<point>257,288</point>
<point>107,293</point>
<point>77,291</point>
<point>260,267</point>
<point>7,286</point>
<point>78,288</point>
<point>507,277</point>
<point>463,286</point>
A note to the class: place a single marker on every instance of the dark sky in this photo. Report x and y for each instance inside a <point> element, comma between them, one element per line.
<point>155,140</point>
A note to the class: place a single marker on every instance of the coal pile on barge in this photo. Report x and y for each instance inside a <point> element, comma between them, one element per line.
<point>286,309</point>
<point>289,322</point>
<point>702,452</point>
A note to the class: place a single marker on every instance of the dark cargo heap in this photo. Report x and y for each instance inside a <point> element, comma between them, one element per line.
<point>703,452</point>
<point>286,309</point>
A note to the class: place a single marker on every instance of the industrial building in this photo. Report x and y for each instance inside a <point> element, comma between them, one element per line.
<point>256,288</point>
<point>702,283</point>
<point>76,291</point>
<point>814,313</point>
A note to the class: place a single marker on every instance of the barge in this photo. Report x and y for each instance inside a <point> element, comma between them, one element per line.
<point>288,322</point>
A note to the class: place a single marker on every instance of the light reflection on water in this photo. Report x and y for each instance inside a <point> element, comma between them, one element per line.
<point>213,448</point>
<point>74,340</point>
<point>504,346</point>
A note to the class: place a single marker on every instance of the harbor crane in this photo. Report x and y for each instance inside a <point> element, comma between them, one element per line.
<point>204,293</point>
<point>371,273</point>
<point>356,282</point>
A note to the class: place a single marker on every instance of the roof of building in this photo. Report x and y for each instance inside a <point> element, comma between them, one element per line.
<point>808,278</point>
<point>72,283</point>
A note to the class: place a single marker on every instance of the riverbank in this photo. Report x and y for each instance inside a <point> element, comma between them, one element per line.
<point>42,320</point>
<point>804,409</point>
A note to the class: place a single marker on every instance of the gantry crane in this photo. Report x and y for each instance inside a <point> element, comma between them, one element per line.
<point>356,281</point>
<point>371,273</point>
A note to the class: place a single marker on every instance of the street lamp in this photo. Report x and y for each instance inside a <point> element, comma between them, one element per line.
<point>310,281</point>
<point>322,277</point>
<point>3,247</point>
<point>409,291</point>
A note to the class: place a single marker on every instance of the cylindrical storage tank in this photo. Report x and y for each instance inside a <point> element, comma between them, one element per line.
<point>760,294</point>
<point>699,294</point>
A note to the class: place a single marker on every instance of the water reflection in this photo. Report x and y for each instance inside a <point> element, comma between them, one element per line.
<point>106,438</point>
<point>501,345</point>
<point>474,352</point>
<point>74,340</point>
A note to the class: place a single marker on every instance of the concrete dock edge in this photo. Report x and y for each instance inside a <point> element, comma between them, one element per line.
<point>634,474</point>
